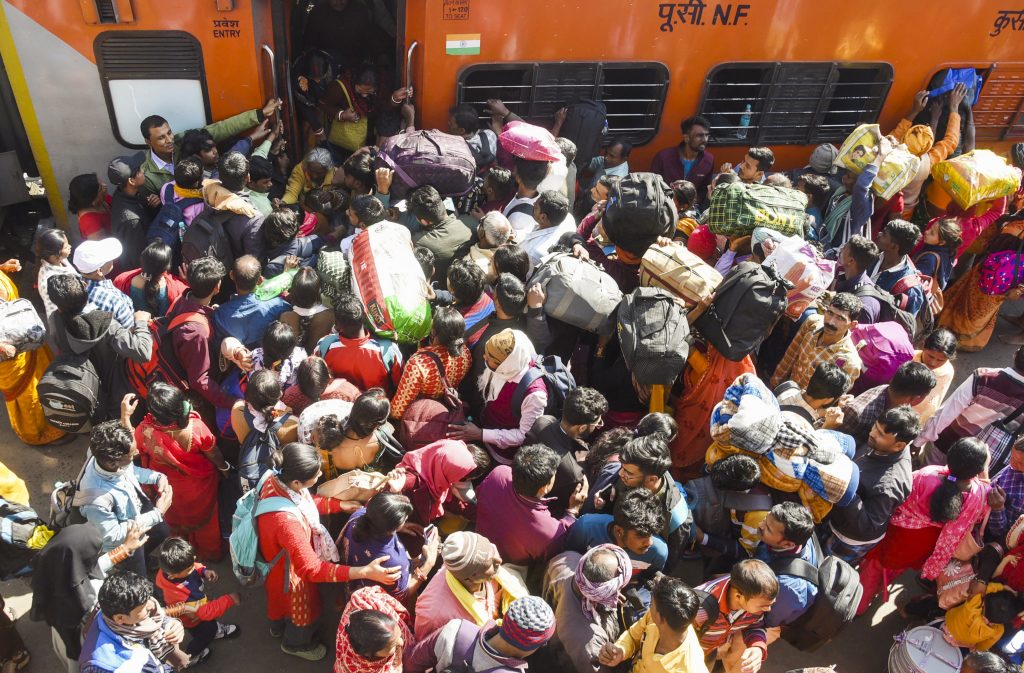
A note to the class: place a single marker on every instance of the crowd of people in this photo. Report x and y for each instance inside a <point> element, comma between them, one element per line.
<point>512,490</point>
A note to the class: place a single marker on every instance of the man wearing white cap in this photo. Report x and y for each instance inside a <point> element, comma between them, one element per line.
<point>94,260</point>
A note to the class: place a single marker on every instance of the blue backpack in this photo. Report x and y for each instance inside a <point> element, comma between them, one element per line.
<point>247,563</point>
<point>169,223</point>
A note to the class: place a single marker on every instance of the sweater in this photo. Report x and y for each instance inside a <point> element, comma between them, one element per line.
<point>885,482</point>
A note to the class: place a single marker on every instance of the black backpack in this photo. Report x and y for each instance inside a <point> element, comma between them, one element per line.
<point>890,311</point>
<point>834,606</point>
<point>18,523</point>
<point>557,379</point>
<point>205,237</point>
<point>711,609</point>
<point>746,305</point>
<point>70,393</point>
<point>585,126</point>
<point>653,335</point>
<point>640,209</point>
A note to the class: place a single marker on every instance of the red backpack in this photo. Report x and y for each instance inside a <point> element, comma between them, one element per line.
<point>928,316</point>
<point>163,364</point>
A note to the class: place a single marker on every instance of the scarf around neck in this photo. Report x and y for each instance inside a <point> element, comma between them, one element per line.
<point>323,545</point>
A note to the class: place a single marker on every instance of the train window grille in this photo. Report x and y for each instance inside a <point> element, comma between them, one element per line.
<point>106,10</point>
<point>792,103</point>
<point>147,72</point>
<point>633,93</point>
<point>999,112</point>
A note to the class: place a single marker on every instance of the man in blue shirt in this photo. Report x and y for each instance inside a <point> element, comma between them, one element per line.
<point>895,273</point>
<point>786,534</point>
<point>94,260</point>
<point>245,316</point>
<point>638,518</point>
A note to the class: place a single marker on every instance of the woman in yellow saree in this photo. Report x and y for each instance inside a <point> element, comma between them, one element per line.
<point>19,374</point>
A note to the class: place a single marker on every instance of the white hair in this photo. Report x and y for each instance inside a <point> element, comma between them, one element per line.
<point>497,228</point>
<point>319,155</point>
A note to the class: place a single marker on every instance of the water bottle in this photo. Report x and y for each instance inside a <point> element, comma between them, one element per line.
<point>741,133</point>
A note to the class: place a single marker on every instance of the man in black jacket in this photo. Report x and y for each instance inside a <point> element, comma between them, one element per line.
<point>885,480</point>
<point>81,329</point>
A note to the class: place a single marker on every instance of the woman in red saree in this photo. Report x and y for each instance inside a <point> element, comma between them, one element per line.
<point>174,441</point>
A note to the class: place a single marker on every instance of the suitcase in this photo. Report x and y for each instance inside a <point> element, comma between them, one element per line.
<point>676,269</point>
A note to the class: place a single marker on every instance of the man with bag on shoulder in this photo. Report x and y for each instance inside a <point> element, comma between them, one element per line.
<point>1007,495</point>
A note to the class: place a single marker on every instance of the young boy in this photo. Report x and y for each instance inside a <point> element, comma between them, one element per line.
<point>181,580</point>
<point>131,633</point>
<point>817,189</point>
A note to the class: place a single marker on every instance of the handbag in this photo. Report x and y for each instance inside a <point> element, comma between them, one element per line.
<point>426,420</point>
<point>954,583</point>
<point>1000,440</point>
<point>348,135</point>
<point>970,544</point>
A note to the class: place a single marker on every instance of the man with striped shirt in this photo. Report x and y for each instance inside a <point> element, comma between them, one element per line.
<point>731,618</point>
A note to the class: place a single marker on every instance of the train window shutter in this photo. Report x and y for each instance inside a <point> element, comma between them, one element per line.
<point>147,72</point>
<point>792,103</point>
<point>999,113</point>
<point>107,11</point>
<point>633,93</point>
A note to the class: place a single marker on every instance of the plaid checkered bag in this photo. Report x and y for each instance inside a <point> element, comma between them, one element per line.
<point>737,208</point>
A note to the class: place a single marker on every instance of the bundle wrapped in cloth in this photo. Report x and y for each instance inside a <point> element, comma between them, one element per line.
<point>976,176</point>
<point>798,262</point>
<point>793,456</point>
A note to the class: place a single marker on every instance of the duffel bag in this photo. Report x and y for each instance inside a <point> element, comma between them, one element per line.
<point>737,208</point>
<point>653,336</point>
<point>441,160</point>
<point>426,421</point>
<point>676,269</point>
<point>578,292</point>
<point>746,305</point>
<point>640,209</point>
<point>883,347</point>
<point>391,285</point>
<point>21,326</point>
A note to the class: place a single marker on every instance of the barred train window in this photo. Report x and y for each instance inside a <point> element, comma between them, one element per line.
<point>792,103</point>
<point>147,72</point>
<point>634,93</point>
<point>999,113</point>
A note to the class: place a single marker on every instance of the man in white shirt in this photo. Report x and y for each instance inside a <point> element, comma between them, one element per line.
<point>519,211</point>
<point>551,212</point>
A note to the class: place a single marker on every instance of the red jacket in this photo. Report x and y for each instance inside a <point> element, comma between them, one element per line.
<point>196,352</point>
<point>175,287</point>
<point>177,592</point>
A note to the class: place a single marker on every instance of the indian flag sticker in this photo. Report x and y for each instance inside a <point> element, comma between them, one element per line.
<point>462,45</point>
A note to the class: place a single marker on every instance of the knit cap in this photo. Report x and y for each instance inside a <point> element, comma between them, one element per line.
<point>467,555</point>
<point>822,158</point>
<point>528,624</point>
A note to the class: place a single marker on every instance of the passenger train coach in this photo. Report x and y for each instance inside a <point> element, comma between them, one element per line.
<point>79,75</point>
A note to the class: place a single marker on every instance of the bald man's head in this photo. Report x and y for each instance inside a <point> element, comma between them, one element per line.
<point>246,273</point>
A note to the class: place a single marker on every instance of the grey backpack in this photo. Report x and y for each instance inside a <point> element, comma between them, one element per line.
<point>21,326</point>
<point>653,335</point>
<point>578,292</point>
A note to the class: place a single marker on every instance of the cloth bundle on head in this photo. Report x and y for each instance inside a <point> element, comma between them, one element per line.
<point>823,157</point>
<point>919,139</point>
<point>468,555</point>
<point>603,593</point>
<point>513,350</point>
<point>702,242</point>
<point>528,624</point>
<point>527,141</point>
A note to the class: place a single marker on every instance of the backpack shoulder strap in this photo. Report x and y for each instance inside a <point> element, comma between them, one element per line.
<point>711,609</point>
<point>747,502</point>
<point>274,504</point>
<point>191,316</point>
<point>440,367</point>
<point>532,374</point>
<point>795,567</point>
<point>521,209</point>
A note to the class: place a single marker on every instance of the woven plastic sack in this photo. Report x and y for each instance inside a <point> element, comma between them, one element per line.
<point>976,176</point>
<point>897,170</point>
<point>391,285</point>
<point>859,148</point>
<point>799,263</point>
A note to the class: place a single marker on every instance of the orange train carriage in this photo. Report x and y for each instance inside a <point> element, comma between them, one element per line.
<point>79,75</point>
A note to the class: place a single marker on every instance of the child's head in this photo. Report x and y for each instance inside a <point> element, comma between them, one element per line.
<point>753,587</point>
<point>685,194</point>
<point>177,558</point>
<point>512,259</point>
<point>737,472</point>
<point>313,377</point>
<point>124,598</point>
<point>325,201</point>
<point>200,143</point>
<point>674,604</point>
<point>261,173</point>
<point>280,227</point>
<point>425,257</point>
<point>279,341</point>
<point>305,289</point>
<point>946,233</point>
<point>1001,607</point>
<point>188,173</point>
<point>816,188</point>
<point>499,185</point>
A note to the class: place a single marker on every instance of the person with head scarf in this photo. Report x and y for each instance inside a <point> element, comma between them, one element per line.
<point>439,478</point>
<point>373,633</point>
<point>920,141</point>
<point>473,585</point>
<point>67,576</point>
<point>585,593</point>
<point>509,355</point>
<point>527,626</point>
